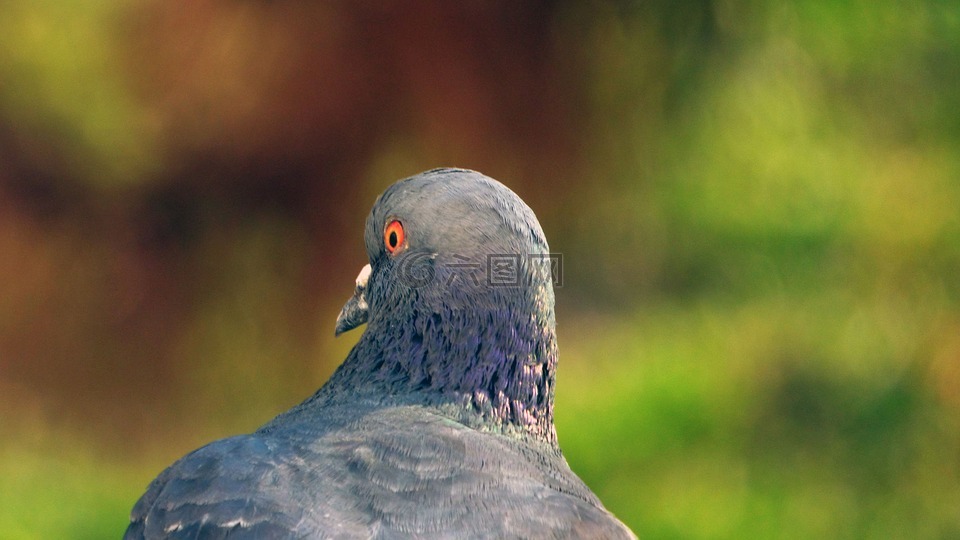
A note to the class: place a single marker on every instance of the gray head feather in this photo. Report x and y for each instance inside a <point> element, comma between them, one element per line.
<point>464,312</point>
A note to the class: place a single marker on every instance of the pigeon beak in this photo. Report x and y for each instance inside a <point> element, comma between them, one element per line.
<point>356,311</point>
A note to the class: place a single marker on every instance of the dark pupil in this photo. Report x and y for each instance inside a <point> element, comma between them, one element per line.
<point>393,239</point>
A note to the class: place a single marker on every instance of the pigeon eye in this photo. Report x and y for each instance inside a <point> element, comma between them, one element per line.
<point>393,236</point>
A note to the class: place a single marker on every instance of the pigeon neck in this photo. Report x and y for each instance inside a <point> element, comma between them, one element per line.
<point>493,367</point>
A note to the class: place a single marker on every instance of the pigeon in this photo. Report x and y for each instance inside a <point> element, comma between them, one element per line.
<point>439,423</point>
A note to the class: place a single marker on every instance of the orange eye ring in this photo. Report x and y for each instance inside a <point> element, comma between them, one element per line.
<point>393,236</point>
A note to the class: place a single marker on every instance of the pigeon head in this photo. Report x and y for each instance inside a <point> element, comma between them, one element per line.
<point>458,301</point>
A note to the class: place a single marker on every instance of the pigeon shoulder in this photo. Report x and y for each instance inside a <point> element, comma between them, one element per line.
<point>247,486</point>
<point>382,473</point>
<point>414,470</point>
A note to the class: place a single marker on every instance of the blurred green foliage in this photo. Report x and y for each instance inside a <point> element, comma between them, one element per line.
<point>760,326</point>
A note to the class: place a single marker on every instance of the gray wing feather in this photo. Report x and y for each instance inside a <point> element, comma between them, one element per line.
<point>392,473</point>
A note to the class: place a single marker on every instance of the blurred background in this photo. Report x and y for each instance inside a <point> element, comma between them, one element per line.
<point>758,206</point>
